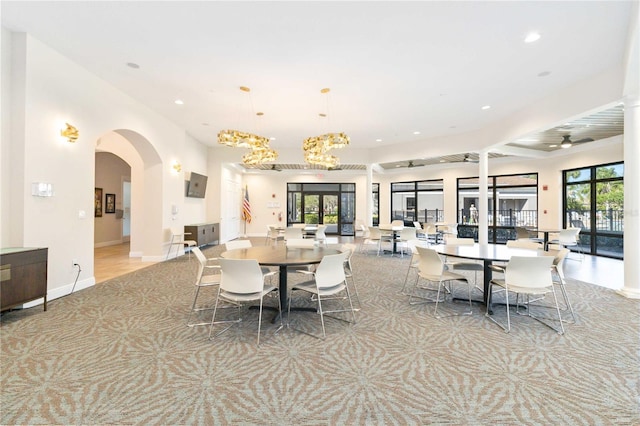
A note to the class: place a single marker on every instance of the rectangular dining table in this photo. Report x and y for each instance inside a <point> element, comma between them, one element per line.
<point>487,253</point>
<point>282,257</point>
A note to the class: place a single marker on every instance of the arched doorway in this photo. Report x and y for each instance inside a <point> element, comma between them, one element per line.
<point>146,232</point>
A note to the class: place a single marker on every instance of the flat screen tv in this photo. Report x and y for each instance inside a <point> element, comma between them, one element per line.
<point>197,186</point>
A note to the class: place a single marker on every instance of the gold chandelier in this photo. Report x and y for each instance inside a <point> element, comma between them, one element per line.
<point>315,148</point>
<point>259,145</point>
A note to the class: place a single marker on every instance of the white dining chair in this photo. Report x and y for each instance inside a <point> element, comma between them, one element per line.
<point>241,281</point>
<point>528,276</point>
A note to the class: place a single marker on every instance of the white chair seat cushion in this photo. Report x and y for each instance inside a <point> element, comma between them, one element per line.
<point>246,297</point>
<point>523,290</point>
<point>446,276</point>
<point>311,287</point>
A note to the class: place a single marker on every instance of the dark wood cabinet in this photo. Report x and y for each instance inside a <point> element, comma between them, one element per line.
<point>24,276</point>
<point>203,233</point>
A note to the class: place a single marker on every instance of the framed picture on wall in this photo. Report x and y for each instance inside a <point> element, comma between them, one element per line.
<point>98,203</point>
<point>110,203</point>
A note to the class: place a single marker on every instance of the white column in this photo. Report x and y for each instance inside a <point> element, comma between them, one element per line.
<point>483,197</point>
<point>631,287</point>
<point>369,204</point>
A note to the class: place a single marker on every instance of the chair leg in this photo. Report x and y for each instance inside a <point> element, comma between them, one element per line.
<point>490,317</point>
<point>567,302</point>
<point>321,317</point>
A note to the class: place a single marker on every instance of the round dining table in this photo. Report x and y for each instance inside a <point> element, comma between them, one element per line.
<point>487,253</point>
<point>282,257</point>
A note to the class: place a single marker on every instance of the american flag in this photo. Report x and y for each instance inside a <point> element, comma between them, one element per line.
<point>246,206</point>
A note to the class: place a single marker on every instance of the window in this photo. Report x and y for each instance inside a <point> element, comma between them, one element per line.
<point>332,204</point>
<point>513,201</point>
<point>594,202</point>
<point>420,201</point>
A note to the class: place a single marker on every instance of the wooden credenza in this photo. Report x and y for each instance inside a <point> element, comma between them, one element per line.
<point>23,276</point>
<point>203,233</point>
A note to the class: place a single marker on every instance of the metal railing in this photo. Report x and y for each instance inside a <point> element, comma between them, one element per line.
<point>422,216</point>
<point>605,220</point>
<point>509,217</point>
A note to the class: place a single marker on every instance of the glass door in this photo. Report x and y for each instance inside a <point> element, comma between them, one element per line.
<point>322,208</point>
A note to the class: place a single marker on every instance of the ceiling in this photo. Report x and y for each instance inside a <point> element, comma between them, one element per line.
<point>399,72</point>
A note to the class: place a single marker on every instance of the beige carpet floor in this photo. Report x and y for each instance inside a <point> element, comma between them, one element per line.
<point>120,353</point>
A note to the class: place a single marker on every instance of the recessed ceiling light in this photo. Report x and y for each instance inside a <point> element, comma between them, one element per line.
<point>378,140</point>
<point>416,132</point>
<point>443,161</point>
<point>553,146</point>
<point>486,107</point>
<point>179,102</point>
<point>272,138</point>
<point>531,37</point>
<point>133,65</point>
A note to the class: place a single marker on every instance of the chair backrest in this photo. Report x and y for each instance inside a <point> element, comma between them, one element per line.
<point>298,225</point>
<point>568,236</point>
<point>529,272</point>
<point>237,244</point>
<point>374,233</point>
<point>291,232</point>
<point>430,229</point>
<point>397,222</point>
<point>454,241</point>
<point>320,235</point>
<point>408,233</point>
<point>527,244</point>
<point>242,276</point>
<point>202,262</point>
<point>521,232</point>
<point>272,231</point>
<point>430,262</point>
<point>417,225</point>
<point>558,259</point>
<point>300,243</point>
<point>330,271</point>
<point>177,235</point>
<point>350,247</point>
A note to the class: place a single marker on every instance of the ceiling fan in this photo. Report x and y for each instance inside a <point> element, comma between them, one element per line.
<point>275,168</point>
<point>468,159</point>
<point>567,142</point>
<point>410,165</point>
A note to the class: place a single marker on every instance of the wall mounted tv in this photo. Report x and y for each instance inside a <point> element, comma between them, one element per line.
<point>197,186</point>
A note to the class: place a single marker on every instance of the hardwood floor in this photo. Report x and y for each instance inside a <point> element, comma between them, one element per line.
<point>113,261</point>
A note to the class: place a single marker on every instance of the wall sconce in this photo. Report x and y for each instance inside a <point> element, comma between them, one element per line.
<point>177,168</point>
<point>71,133</point>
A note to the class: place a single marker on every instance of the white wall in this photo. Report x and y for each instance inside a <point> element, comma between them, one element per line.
<point>48,90</point>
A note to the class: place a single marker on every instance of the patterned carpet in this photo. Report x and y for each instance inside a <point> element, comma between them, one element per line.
<point>120,353</point>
